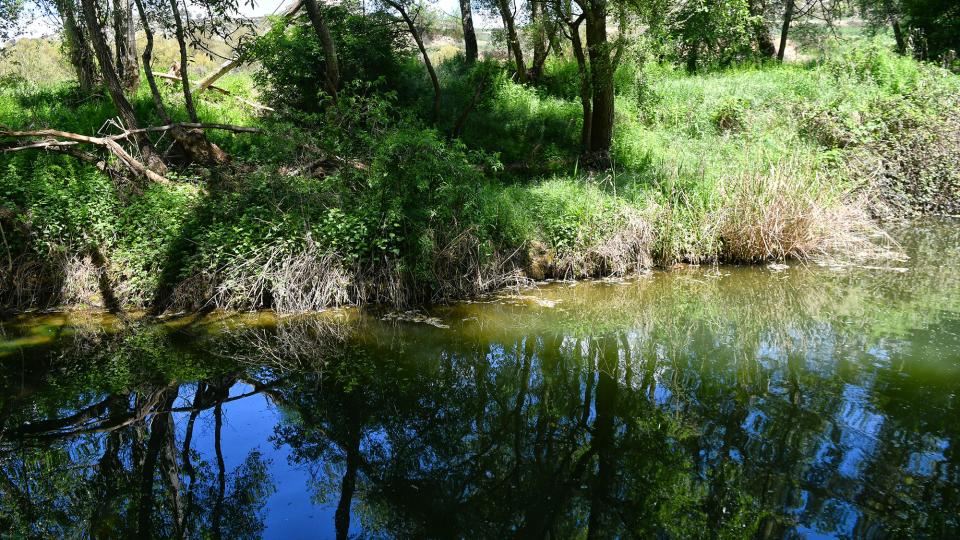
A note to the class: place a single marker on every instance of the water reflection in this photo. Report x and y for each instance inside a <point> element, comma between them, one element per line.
<point>753,404</point>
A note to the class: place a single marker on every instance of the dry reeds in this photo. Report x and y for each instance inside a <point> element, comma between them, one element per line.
<point>298,281</point>
<point>786,213</point>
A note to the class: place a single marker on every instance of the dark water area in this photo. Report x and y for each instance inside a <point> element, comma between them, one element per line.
<point>705,402</point>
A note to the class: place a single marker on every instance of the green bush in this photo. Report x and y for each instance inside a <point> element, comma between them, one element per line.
<point>292,66</point>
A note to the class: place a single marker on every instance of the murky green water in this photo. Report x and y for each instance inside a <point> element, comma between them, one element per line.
<point>703,402</point>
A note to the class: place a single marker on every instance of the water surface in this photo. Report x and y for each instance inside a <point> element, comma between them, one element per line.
<point>702,402</point>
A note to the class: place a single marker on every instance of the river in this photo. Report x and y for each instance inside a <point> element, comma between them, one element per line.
<point>815,401</point>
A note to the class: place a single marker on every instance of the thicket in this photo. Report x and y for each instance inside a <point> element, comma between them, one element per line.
<point>366,197</point>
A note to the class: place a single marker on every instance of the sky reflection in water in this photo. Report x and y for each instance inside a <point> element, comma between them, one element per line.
<point>706,402</point>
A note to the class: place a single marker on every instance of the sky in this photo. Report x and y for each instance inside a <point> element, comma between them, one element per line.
<point>42,26</point>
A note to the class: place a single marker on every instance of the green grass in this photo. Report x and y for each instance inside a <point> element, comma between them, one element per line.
<point>749,164</point>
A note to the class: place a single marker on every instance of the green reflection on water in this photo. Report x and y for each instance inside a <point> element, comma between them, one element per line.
<point>722,402</point>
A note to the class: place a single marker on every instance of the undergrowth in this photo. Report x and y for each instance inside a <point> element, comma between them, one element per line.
<point>362,203</point>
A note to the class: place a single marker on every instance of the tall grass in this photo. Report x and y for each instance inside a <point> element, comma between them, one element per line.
<point>745,165</point>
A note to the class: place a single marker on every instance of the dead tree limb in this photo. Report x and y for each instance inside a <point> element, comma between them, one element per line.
<point>224,91</point>
<point>110,143</point>
<point>56,139</point>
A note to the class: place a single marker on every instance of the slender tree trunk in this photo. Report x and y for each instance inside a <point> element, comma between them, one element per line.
<point>78,50</point>
<point>185,457</point>
<point>469,34</point>
<point>184,72</point>
<point>513,41</point>
<point>787,19</point>
<point>125,44</point>
<point>221,473</point>
<point>330,60</point>
<point>148,64</point>
<point>601,78</point>
<point>423,52</point>
<point>693,57</point>
<point>621,35</point>
<point>158,434</point>
<point>603,441</point>
<point>540,43</point>
<point>114,87</point>
<point>577,46</point>
<point>898,35</point>
<point>349,483</point>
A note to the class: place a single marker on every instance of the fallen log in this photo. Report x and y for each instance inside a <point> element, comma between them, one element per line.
<point>110,143</point>
<point>57,140</point>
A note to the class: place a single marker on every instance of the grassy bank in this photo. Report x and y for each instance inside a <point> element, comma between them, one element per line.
<point>362,203</point>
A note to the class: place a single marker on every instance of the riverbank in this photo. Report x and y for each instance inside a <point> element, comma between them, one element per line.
<point>364,204</point>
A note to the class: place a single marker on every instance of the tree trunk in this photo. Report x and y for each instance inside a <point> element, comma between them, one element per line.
<point>577,46</point>
<point>469,34</point>
<point>148,67</point>
<point>601,78</point>
<point>603,441</point>
<point>125,44</point>
<point>114,87</point>
<point>348,484</point>
<point>513,42</point>
<point>787,19</point>
<point>693,57</point>
<point>540,43</point>
<point>184,72</point>
<point>330,60</point>
<point>423,51</point>
<point>78,50</point>
<point>898,35</point>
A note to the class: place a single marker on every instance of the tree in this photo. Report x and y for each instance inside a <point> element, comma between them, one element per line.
<point>543,29</point>
<point>115,88</point>
<point>331,62</point>
<point>508,16</point>
<point>125,44</point>
<point>184,60</point>
<point>77,45</point>
<point>596,64</point>
<point>881,13</point>
<point>714,32</point>
<point>403,9</point>
<point>602,67</point>
<point>572,32</point>
<point>11,12</point>
<point>934,27</point>
<point>764,44</point>
<point>785,27</point>
<point>469,34</point>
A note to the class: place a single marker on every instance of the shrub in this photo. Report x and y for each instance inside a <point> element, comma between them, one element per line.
<point>729,115</point>
<point>292,67</point>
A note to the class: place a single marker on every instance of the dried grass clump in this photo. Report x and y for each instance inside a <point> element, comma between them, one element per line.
<point>80,281</point>
<point>785,213</point>
<point>273,276</point>
<point>29,283</point>
<point>467,266</point>
<point>609,238</point>
<point>620,248</point>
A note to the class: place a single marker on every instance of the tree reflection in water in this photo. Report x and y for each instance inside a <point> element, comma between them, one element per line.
<point>684,408</point>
